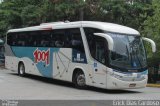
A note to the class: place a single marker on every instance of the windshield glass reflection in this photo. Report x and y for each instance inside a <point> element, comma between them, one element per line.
<point>128,51</point>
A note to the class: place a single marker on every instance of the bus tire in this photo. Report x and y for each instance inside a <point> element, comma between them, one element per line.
<point>80,80</point>
<point>21,69</point>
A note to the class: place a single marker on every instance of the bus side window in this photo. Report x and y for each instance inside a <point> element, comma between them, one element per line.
<point>76,39</point>
<point>39,38</point>
<point>45,38</point>
<point>52,40</point>
<point>101,49</point>
<point>21,39</point>
<point>59,42</point>
<point>11,39</point>
<point>97,45</point>
<point>58,38</point>
<point>89,32</point>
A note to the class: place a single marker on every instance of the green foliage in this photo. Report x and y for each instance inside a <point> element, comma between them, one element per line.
<point>30,15</point>
<point>142,15</point>
<point>34,12</point>
<point>8,17</point>
<point>151,29</point>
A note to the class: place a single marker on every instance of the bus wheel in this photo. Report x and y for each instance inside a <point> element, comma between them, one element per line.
<point>80,80</point>
<point>21,69</point>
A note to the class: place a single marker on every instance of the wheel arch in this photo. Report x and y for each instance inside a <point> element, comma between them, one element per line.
<point>20,62</point>
<point>20,71</point>
<point>77,69</point>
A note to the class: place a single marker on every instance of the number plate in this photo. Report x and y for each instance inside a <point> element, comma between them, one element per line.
<point>132,85</point>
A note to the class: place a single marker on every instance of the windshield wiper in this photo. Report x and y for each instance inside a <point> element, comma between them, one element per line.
<point>138,60</point>
<point>136,57</point>
<point>129,55</point>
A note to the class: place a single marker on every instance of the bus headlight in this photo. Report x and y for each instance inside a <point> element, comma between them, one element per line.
<point>118,76</point>
<point>113,74</point>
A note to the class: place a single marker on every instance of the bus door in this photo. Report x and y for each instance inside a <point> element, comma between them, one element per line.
<point>99,52</point>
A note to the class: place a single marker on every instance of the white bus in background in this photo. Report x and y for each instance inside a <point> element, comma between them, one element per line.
<point>99,54</point>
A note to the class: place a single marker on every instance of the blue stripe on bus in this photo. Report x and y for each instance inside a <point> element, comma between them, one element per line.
<point>46,71</point>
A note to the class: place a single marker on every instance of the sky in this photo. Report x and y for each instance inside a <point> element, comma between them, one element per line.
<point>1,1</point>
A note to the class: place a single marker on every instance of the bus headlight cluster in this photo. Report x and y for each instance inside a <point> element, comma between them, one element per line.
<point>145,76</point>
<point>113,74</point>
<point>118,76</point>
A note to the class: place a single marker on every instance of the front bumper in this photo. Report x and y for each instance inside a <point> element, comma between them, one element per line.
<point>114,83</point>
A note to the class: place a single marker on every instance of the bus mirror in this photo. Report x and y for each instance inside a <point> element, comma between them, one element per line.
<point>108,38</point>
<point>153,45</point>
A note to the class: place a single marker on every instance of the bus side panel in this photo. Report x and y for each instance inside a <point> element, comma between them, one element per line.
<point>86,68</point>
<point>36,59</point>
<point>61,63</point>
<point>11,63</point>
<point>10,59</point>
<point>30,66</point>
<point>66,60</point>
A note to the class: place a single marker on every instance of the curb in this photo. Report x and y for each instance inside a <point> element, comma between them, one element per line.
<point>153,85</point>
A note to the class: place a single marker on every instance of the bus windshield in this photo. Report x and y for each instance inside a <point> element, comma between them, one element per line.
<point>128,52</point>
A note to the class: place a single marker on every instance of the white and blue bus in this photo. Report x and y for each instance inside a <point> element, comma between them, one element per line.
<point>99,54</point>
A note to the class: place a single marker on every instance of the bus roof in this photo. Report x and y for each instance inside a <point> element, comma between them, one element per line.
<point>108,27</point>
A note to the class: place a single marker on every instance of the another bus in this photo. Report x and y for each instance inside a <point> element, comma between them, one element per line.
<point>2,58</point>
<point>99,54</point>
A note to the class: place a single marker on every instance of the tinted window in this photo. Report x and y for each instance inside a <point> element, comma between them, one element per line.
<point>59,38</point>
<point>75,39</point>
<point>16,39</point>
<point>33,39</point>
<point>89,32</point>
<point>100,49</point>
<point>97,45</point>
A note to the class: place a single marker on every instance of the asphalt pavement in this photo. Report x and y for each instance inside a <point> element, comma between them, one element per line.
<point>34,90</point>
<point>30,87</point>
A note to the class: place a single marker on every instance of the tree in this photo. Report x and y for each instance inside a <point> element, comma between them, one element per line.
<point>152,29</point>
<point>23,13</point>
<point>9,18</point>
